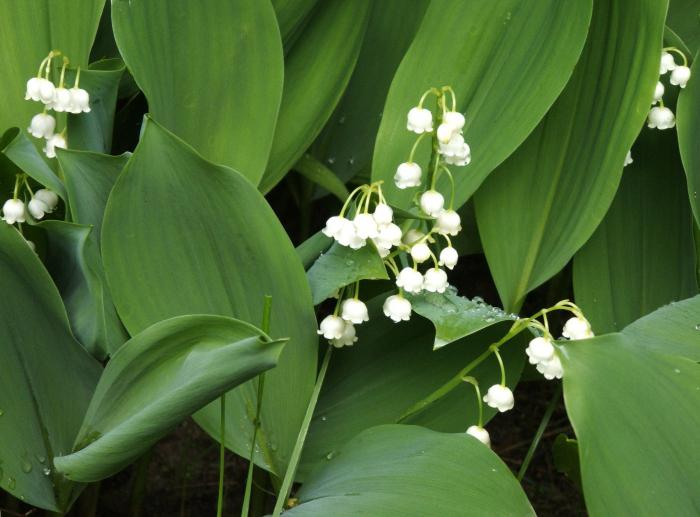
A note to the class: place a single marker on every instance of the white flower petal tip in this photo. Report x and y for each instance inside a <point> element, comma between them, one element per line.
<point>42,126</point>
<point>332,327</point>
<point>383,214</point>
<point>420,120</point>
<point>14,211</point>
<point>52,143</point>
<point>448,223</point>
<point>435,280</point>
<point>79,101</point>
<point>420,252</point>
<point>397,308</point>
<point>628,159</point>
<point>37,208</point>
<point>577,328</point>
<point>667,63</point>
<point>354,311</point>
<point>500,397</point>
<point>551,369</point>
<point>344,232</point>
<point>448,257</point>
<point>410,280</point>
<point>480,434</point>
<point>389,236</point>
<point>660,117</point>
<point>408,175</point>
<point>539,349</point>
<point>432,202</point>
<point>680,76</point>
<point>366,226</point>
<point>348,338</point>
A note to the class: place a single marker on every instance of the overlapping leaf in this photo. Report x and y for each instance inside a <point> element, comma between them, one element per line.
<point>546,200</point>
<point>688,116</point>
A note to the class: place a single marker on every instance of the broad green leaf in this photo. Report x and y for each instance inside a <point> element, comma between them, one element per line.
<point>507,62</point>
<point>74,262</point>
<point>28,31</point>
<point>673,329</point>
<point>290,15</point>
<point>642,255</point>
<point>347,141</point>
<point>684,19</point>
<point>312,248</point>
<point>546,200</point>
<point>314,171</point>
<point>184,236</point>
<point>89,178</point>
<point>454,316</point>
<point>93,131</point>
<point>391,368</point>
<point>316,71</point>
<point>635,413</point>
<point>410,471</point>
<point>212,74</point>
<point>17,146</point>
<point>47,378</point>
<point>157,379</point>
<point>341,266</point>
<point>688,124</point>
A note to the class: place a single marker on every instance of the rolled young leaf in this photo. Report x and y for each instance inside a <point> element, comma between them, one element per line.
<point>158,378</point>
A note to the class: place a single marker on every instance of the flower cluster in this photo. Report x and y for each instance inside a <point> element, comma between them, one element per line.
<point>541,352</point>
<point>41,202</point>
<point>57,98</point>
<point>366,218</point>
<point>661,117</point>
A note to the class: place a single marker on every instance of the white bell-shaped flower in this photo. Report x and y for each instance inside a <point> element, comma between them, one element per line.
<point>79,101</point>
<point>61,100</point>
<point>33,89</point>
<point>331,327</point>
<point>448,222</point>
<point>454,119</point>
<point>577,328</point>
<point>48,197</point>
<point>420,120</point>
<point>456,151</point>
<point>628,159</point>
<point>347,339</point>
<point>551,369</point>
<point>499,397</point>
<point>52,143</point>
<point>333,226</point>
<point>661,117</point>
<point>46,91</point>
<point>383,214</point>
<point>432,202</point>
<point>389,235</point>
<point>37,208</point>
<point>539,349</point>
<point>480,434</point>
<point>420,252</point>
<point>347,234</point>
<point>680,76</point>
<point>354,311</point>
<point>658,92</point>
<point>42,125</point>
<point>412,236</point>
<point>14,211</point>
<point>408,174</point>
<point>365,226</point>
<point>445,133</point>
<point>464,157</point>
<point>435,280</point>
<point>667,63</point>
<point>448,257</point>
<point>410,280</point>
<point>397,308</point>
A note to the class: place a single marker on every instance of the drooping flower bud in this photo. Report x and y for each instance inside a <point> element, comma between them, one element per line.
<point>449,257</point>
<point>397,308</point>
<point>432,202</point>
<point>435,280</point>
<point>480,434</point>
<point>420,120</point>
<point>408,174</point>
<point>354,311</point>
<point>410,280</point>
<point>42,125</point>
<point>500,397</point>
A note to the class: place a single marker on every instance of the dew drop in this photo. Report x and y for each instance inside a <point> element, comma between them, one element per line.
<point>323,419</point>
<point>330,455</point>
<point>41,459</point>
<point>677,370</point>
<point>11,483</point>
<point>1,412</point>
<point>331,160</point>
<point>26,467</point>
<point>47,471</point>
<point>697,327</point>
<point>351,160</point>
<point>341,120</point>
